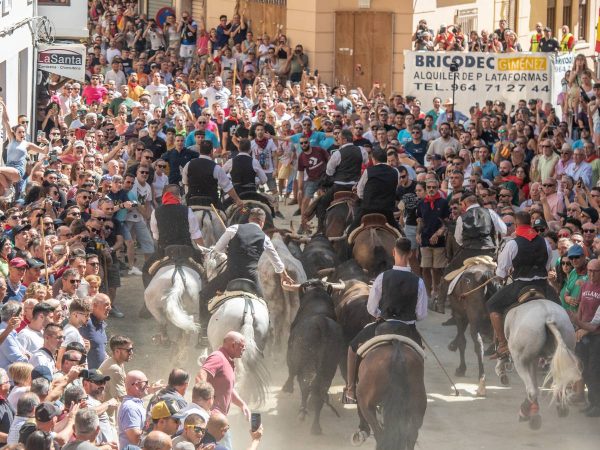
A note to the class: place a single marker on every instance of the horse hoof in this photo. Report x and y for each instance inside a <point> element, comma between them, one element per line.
<point>563,411</point>
<point>288,388</point>
<point>535,422</point>
<point>523,418</point>
<point>452,346</point>
<point>316,431</point>
<point>460,372</point>
<point>302,415</point>
<point>358,438</point>
<point>504,380</point>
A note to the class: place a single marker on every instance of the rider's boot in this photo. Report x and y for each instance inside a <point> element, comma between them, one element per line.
<point>498,326</point>
<point>349,396</point>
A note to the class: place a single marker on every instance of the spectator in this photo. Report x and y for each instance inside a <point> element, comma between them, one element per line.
<point>94,331</point>
<point>45,356</point>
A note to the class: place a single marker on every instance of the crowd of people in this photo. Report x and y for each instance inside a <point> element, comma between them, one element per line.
<point>79,187</point>
<point>501,40</point>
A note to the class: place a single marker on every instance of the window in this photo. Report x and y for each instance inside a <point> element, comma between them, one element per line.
<point>508,11</point>
<point>551,16</point>
<point>567,13</point>
<point>467,19</point>
<point>582,21</point>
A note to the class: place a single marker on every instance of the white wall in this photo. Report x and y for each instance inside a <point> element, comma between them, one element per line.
<point>70,22</point>
<point>16,61</point>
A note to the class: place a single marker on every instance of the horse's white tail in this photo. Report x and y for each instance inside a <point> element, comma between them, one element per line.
<point>173,309</point>
<point>564,368</point>
<point>256,373</point>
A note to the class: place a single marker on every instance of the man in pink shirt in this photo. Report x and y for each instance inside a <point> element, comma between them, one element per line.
<point>219,371</point>
<point>94,91</point>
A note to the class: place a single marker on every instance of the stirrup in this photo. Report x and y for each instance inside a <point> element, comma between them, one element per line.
<point>346,399</point>
<point>503,355</point>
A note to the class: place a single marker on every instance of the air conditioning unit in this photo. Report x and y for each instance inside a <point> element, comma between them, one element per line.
<point>364,4</point>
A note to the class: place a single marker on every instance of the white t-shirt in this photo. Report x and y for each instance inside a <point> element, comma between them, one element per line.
<point>158,94</point>
<point>71,335</point>
<point>160,181</point>
<point>218,96</point>
<point>265,161</point>
<point>140,194</point>
<point>30,339</point>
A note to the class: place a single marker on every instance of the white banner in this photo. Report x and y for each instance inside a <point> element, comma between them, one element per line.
<point>480,77</point>
<point>67,60</point>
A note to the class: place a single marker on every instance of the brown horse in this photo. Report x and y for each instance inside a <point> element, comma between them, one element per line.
<point>372,249</point>
<point>391,378</point>
<point>337,219</point>
<point>468,308</point>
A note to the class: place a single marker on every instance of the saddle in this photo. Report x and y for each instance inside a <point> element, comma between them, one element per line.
<point>526,295</point>
<point>242,284</point>
<point>343,197</point>
<point>385,339</point>
<point>181,255</point>
<point>218,300</point>
<point>469,262</point>
<point>198,200</point>
<point>376,221</point>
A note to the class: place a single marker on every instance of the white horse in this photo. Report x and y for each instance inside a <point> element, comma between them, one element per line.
<point>212,228</point>
<point>540,329</point>
<point>249,316</point>
<point>171,297</point>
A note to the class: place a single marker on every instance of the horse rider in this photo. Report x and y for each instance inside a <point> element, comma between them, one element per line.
<point>173,224</point>
<point>245,169</point>
<point>344,167</point>
<point>528,257</point>
<point>377,190</point>
<point>244,244</point>
<point>476,231</point>
<point>397,299</point>
<point>202,177</point>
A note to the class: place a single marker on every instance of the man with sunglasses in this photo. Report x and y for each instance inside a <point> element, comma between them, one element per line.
<point>14,282</point>
<point>45,356</point>
<point>527,258</point>
<point>194,429</point>
<point>94,385</point>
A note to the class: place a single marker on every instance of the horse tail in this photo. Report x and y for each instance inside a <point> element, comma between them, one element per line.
<point>173,309</point>
<point>396,418</point>
<point>564,368</point>
<point>256,372</point>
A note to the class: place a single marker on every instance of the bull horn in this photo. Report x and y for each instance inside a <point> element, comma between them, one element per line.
<point>338,238</point>
<point>326,271</point>
<point>338,286</point>
<point>290,287</point>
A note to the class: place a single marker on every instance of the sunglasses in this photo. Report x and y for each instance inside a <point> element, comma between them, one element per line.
<point>589,231</point>
<point>574,257</point>
<point>144,172</point>
<point>196,428</point>
<point>548,185</point>
<point>75,281</point>
<point>566,263</point>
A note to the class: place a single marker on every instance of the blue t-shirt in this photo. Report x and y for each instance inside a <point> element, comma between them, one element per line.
<point>417,151</point>
<point>489,170</point>
<point>316,139</point>
<point>404,136</point>
<point>208,136</point>
<point>119,198</point>
<point>95,332</point>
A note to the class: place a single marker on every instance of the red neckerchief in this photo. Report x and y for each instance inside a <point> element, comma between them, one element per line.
<point>432,198</point>
<point>169,199</point>
<point>262,143</point>
<point>308,135</point>
<point>526,232</point>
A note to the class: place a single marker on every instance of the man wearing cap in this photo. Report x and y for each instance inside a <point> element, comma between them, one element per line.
<point>94,384</point>
<point>548,43</point>
<point>32,337</point>
<point>46,419</point>
<point>569,294</point>
<point>15,289</point>
<point>529,258</point>
<point>166,417</point>
<point>450,114</point>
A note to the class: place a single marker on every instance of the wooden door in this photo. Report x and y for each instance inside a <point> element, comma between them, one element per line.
<point>363,49</point>
<point>266,16</point>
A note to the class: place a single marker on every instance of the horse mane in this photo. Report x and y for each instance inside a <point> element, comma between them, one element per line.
<point>256,374</point>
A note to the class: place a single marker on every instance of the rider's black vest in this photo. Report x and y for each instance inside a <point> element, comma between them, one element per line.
<point>399,295</point>
<point>173,225</point>
<point>350,164</point>
<point>477,229</point>
<point>380,188</point>
<point>244,251</point>
<point>531,258</point>
<point>201,181</point>
<point>242,172</point>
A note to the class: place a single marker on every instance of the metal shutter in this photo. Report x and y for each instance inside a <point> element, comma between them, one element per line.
<point>155,5</point>
<point>198,10</point>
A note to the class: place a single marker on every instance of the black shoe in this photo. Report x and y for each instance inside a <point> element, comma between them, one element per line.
<point>114,312</point>
<point>451,321</point>
<point>279,215</point>
<point>594,411</point>
<point>297,212</point>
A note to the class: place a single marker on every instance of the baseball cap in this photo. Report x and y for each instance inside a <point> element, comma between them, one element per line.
<point>592,213</point>
<point>540,223</point>
<point>165,409</point>
<point>18,262</point>
<point>44,412</point>
<point>575,251</point>
<point>78,144</point>
<point>94,375</point>
<point>41,372</point>
<point>20,228</point>
<point>34,263</point>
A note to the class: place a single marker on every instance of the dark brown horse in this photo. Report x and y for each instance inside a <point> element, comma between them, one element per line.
<point>468,308</point>
<point>372,249</point>
<point>337,219</point>
<point>391,379</point>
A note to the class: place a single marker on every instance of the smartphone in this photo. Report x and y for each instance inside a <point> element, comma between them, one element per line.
<point>255,421</point>
<point>40,135</point>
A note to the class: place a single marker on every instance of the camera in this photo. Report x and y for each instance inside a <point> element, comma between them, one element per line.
<point>55,204</point>
<point>134,204</point>
<point>95,246</point>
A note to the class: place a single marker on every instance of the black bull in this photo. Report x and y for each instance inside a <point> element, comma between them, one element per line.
<point>315,347</point>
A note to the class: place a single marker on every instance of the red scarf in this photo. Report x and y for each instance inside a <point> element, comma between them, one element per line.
<point>262,143</point>
<point>308,135</point>
<point>525,231</point>
<point>169,199</point>
<point>432,198</point>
